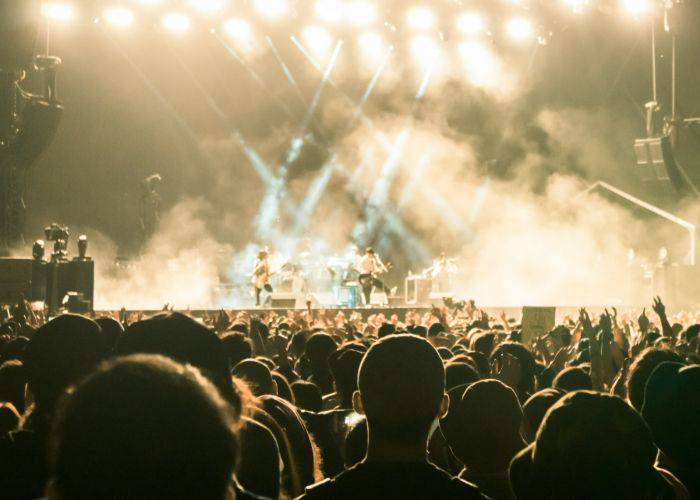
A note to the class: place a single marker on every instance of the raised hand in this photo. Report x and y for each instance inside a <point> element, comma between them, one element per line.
<point>659,307</point>
<point>643,321</point>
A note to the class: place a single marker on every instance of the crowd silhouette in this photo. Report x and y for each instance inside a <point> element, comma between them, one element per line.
<point>317,404</point>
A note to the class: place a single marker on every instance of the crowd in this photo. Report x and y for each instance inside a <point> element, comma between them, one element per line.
<point>440,404</point>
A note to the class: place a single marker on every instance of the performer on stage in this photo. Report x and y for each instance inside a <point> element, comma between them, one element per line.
<point>261,275</point>
<point>441,273</point>
<point>149,208</point>
<point>370,266</point>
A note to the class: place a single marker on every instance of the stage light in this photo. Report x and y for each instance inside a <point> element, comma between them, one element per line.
<point>480,63</point>
<point>176,23</point>
<point>636,7</point>
<point>118,16</point>
<point>420,19</point>
<point>58,12</point>
<point>471,24</point>
<point>372,47</point>
<point>577,6</point>
<point>318,40</point>
<point>238,30</point>
<point>519,29</point>
<point>361,13</point>
<point>425,50</point>
<point>330,11</point>
<point>151,3</point>
<point>272,9</point>
<point>208,6</point>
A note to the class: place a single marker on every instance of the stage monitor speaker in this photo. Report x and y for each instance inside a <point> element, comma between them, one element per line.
<point>15,280</point>
<point>283,301</point>
<point>657,164</point>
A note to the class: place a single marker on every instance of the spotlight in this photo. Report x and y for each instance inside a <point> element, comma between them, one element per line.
<point>238,29</point>
<point>57,12</point>
<point>471,24</point>
<point>208,6</point>
<point>82,246</point>
<point>519,29</point>
<point>361,13</point>
<point>371,46</point>
<point>577,6</point>
<point>636,7</point>
<point>424,50</point>
<point>330,11</point>
<point>118,16</point>
<point>272,9</point>
<point>480,63</point>
<point>318,40</point>
<point>176,23</point>
<point>420,19</point>
<point>38,250</point>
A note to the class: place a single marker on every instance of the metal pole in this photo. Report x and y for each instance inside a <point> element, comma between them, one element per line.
<point>653,58</point>
<point>673,78</point>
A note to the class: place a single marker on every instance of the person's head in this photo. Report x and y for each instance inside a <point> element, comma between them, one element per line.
<point>318,349</point>
<point>535,408</point>
<point>284,390</point>
<point>262,255</point>
<point>590,445</point>
<point>13,378</point>
<point>483,425</point>
<point>9,417</point>
<point>110,331</point>
<point>641,369</point>
<point>691,333</point>
<point>527,365</point>
<point>257,375</point>
<point>345,363</point>
<point>369,251</point>
<point>183,339</point>
<point>457,374</point>
<point>386,329</point>
<point>401,388</point>
<point>671,403</point>
<point>237,347</point>
<point>307,396</point>
<point>483,342</point>
<point>295,445</point>
<point>143,426</point>
<point>435,329</point>
<point>61,352</point>
<point>573,378</point>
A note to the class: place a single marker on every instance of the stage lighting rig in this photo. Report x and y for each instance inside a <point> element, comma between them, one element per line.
<point>118,16</point>
<point>176,22</point>
<point>27,121</point>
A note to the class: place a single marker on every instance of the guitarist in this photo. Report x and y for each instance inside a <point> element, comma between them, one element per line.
<point>261,275</point>
<point>370,266</point>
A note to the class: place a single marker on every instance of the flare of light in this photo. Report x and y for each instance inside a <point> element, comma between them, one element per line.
<point>371,45</point>
<point>176,22</point>
<point>208,6</point>
<point>471,23</point>
<point>361,13</point>
<point>330,11</point>
<point>480,62</point>
<point>151,3</point>
<point>238,30</point>
<point>577,6</point>
<point>424,50</point>
<point>318,39</point>
<point>118,16</point>
<point>58,12</point>
<point>519,29</point>
<point>272,9</point>
<point>636,7</point>
<point>420,19</point>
